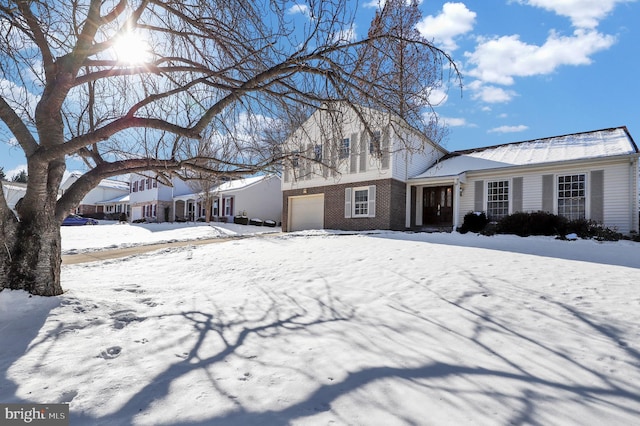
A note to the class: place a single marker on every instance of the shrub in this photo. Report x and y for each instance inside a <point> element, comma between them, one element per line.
<point>535,223</point>
<point>255,221</point>
<point>589,229</point>
<point>270,223</point>
<point>544,223</point>
<point>241,220</point>
<point>473,222</point>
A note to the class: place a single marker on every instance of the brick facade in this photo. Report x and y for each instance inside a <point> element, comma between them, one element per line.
<point>88,209</point>
<point>390,206</point>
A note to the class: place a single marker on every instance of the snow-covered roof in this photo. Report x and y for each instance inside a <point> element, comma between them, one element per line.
<point>232,185</point>
<point>104,183</point>
<point>118,200</point>
<point>578,146</point>
<point>236,184</point>
<point>115,184</point>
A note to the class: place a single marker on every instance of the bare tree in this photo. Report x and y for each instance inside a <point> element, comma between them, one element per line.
<point>132,85</point>
<point>400,70</point>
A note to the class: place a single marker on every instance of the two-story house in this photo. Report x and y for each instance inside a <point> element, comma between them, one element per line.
<point>349,170</point>
<point>345,175</point>
<point>152,200</point>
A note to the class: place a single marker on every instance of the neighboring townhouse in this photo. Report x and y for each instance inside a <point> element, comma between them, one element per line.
<point>348,175</point>
<point>152,200</point>
<point>255,197</point>
<point>589,175</point>
<point>117,206</point>
<point>107,189</point>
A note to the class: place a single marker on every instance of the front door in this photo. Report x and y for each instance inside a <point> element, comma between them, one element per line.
<point>437,205</point>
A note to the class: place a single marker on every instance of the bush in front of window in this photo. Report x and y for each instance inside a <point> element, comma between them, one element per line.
<point>473,222</point>
<point>534,223</point>
<point>588,229</point>
<point>544,223</point>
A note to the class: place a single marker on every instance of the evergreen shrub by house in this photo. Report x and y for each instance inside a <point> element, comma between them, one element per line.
<point>473,222</point>
<point>534,223</point>
<point>538,223</point>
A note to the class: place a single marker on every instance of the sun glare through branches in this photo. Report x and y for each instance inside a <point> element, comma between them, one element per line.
<point>132,49</point>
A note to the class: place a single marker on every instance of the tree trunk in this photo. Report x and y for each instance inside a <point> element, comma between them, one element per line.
<point>31,245</point>
<point>34,255</point>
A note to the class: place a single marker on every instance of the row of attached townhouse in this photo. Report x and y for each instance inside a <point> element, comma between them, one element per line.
<point>369,180</point>
<point>144,197</point>
<point>95,200</point>
<point>257,196</point>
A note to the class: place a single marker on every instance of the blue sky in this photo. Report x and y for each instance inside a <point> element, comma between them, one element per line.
<point>530,68</point>
<point>537,68</point>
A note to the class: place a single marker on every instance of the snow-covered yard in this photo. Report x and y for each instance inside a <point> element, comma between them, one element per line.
<point>320,328</point>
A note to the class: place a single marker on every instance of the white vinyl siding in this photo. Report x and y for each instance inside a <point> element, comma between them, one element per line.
<point>359,165</point>
<point>617,184</point>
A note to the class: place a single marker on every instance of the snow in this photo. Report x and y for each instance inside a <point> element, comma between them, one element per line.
<point>579,146</point>
<point>116,235</point>
<point>377,328</point>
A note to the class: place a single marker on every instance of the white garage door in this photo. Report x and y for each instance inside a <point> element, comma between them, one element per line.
<point>306,212</point>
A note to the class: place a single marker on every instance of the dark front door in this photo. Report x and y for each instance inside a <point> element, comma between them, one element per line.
<point>437,205</point>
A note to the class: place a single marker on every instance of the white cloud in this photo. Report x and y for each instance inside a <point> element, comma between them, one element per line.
<point>437,97</point>
<point>508,129</point>
<point>374,3</point>
<point>302,9</point>
<point>454,20</point>
<point>380,3</point>
<point>347,35</point>
<point>490,94</point>
<point>582,13</point>
<point>454,122</point>
<point>499,60</point>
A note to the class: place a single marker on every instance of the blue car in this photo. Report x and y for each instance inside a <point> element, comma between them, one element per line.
<point>75,220</point>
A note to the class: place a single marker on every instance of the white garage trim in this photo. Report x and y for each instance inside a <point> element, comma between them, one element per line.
<point>306,212</point>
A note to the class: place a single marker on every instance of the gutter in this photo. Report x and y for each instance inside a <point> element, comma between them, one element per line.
<point>541,166</point>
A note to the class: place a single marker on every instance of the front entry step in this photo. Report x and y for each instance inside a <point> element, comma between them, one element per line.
<point>435,228</point>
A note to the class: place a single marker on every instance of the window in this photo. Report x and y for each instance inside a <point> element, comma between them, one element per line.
<point>344,148</point>
<point>360,202</point>
<point>571,196</point>
<point>317,152</point>
<point>135,186</point>
<point>295,159</point>
<point>374,144</point>
<point>141,185</point>
<point>497,199</point>
<point>227,206</point>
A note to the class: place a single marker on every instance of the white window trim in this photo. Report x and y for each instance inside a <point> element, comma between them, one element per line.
<point>227,206</point>
<point>509,195</point>
<point>587,191</point>
<point>342,153</point>
<point>350,202</point>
